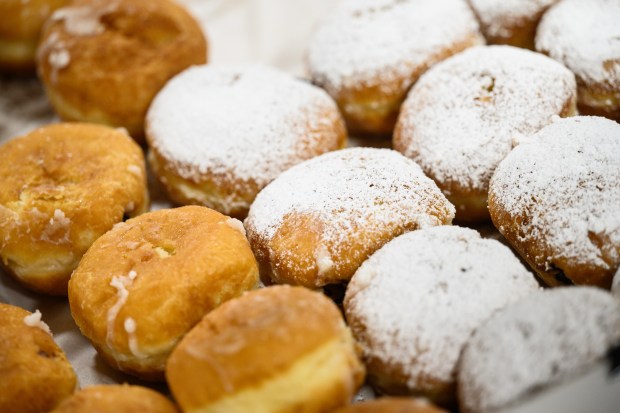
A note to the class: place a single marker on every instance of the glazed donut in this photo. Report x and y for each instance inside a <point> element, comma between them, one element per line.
<point>61,187</point>
<point>34,372</point>
<point>511,22</point>
<point>149,280</point>
<point>368,53</point>
<point>413,313</point>
<point>103,61</point>
<point>392,405</point>
<point>555,198</point>
<point>117,399</point>
<point>266,352</point>
<point>219,134</point>
<point>466,114</point>
<point>583,35</point>
<point>22,22</point>
<point>535,343</point>
<point>317,222</point>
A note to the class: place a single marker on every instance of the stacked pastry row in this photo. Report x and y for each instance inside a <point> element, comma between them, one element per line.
<point>170,294</point>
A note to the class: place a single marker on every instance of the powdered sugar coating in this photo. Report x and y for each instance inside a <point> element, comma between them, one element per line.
<point>498,17</point>
<point>413,312</point>
<point>615,285</point>
<point>566,181</point>
<point>585,36</point>
<point>240,126</point>
<point>378,190</point>
<point>466,114</point>
<point>534,343</point>
<point>374,42</point>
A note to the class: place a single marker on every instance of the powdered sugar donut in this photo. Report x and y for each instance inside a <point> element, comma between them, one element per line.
<point>512,22</point>
<point>584,36</point>
<point>149,280</point>
<point>368,53</point>
<point>317,222</point>
<point>412,313</point>
<point>615,285</point>
<point>466,114</point>
<point>219,134</point>
<point>535,343</point>
<point>555,198</point>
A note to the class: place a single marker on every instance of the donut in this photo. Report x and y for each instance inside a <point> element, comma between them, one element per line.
<point>34,372</point>
<point>413,313</point>
<point>317,222</point>
<point>535,343</point>
<point>392,405</point>
<point>368,53</point>
<point>555,198</point>
<point>61,187</point>
<point>511,22</point>
<point>103,61</point>
<point>266,352</point>
<point>149,280</point>
<point>218,134</point>
<point>116,398</point>
<point>615,285</point>
<point>583,35</point>
<point>22,22</point>
<point>466,114</point>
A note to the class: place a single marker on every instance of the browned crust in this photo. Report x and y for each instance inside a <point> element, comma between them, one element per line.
<point>94,174</point>
<point>187,261</point>
<point>269,329</point>
<point>112,76</point>
<point>392,405</point>
<point>116,398</point>
<point>34,372</point>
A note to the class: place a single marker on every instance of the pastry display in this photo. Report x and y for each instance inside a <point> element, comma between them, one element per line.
<point>22,22</point>
<point>583,35</point>
<point>555,198</point>
<point>368,53</point>
<point>149,280</point>
<point>220,134</point>
<point>538,342</point>
<point>466,114</point>
<point>61,187</point>
<point>413,312</point>
<point>511,22</point>
<point>279,349</point>
<point>316,223</point>
<point>35,374</point>
<point>116,399</point>
<point>103,61</point>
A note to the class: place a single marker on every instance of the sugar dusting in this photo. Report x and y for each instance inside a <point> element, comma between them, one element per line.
<point>130,328</point>
<point>566,180</point>
<point>239,123</point>
<point>585,36</point>
<point>456,279</point>
<point>385,40</point>
<point>498,17</point>
<point>536,342</point>
<point>369,188</point>
<point>615,285</point>
<point>236,225</point>
<point>34,320</point>
<point>463,116</point>
<point>120,283</point>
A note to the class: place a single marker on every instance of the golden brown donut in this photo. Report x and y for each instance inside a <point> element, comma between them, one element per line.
<point>367,54</point>
<point>103,61</point>
<point>317,222</point>
<point>279,349</point>
<point>583,35</point>
<point>22,22</point>
<point>511,22</point>
<point>61,187</point>
<point>466,114</point>
<point>149,280</point>
<point>35,374</point>
<point>555,198</point>
<point>392,405</point>
<point>116,399</point>
<point>219,134</point>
